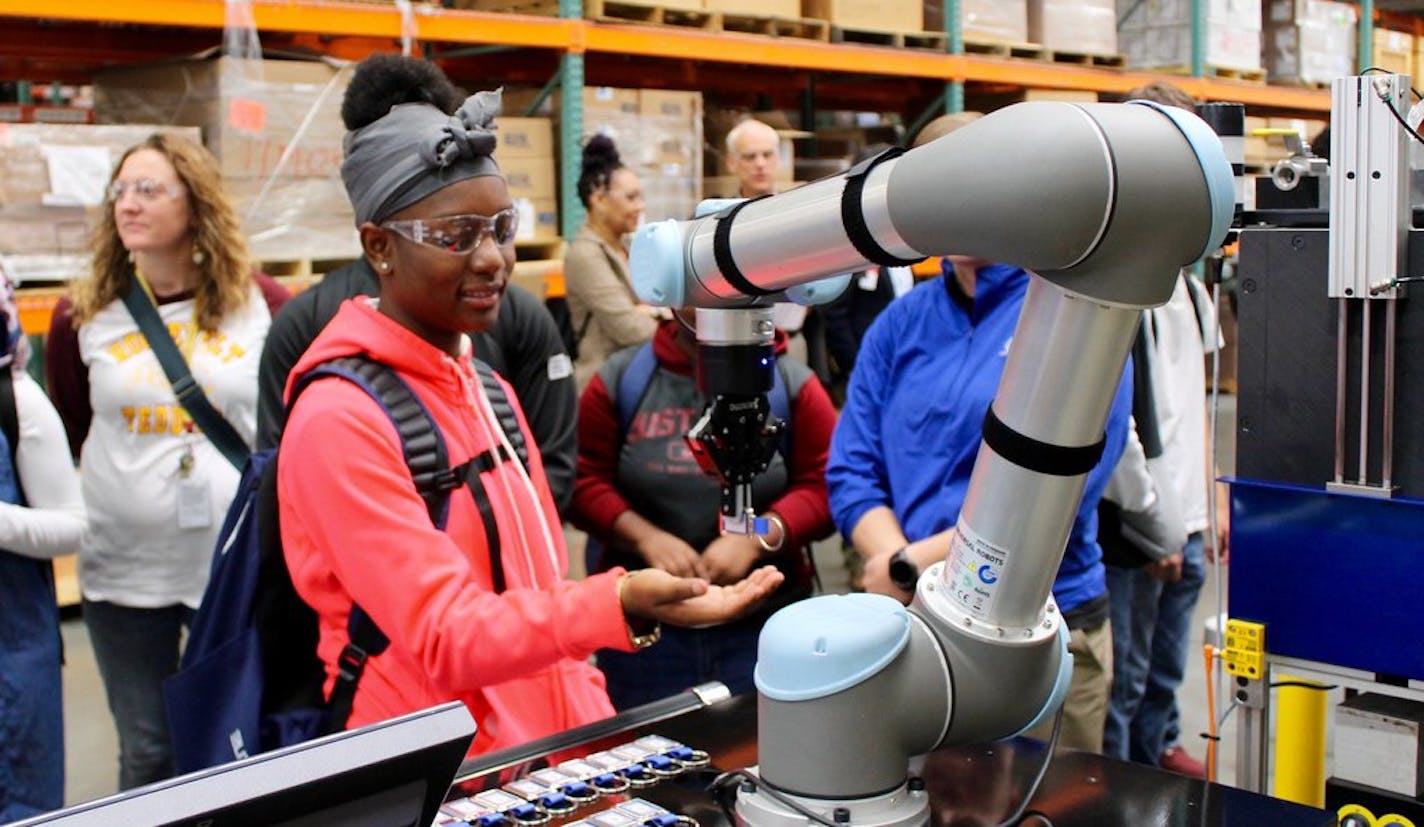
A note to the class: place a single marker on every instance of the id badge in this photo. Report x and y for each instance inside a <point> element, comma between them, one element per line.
<point>195,504</point>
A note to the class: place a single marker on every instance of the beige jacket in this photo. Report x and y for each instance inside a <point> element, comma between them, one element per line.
<point>602,305</point>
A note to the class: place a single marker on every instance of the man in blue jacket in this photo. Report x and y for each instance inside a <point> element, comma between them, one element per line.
<point>905,445</point>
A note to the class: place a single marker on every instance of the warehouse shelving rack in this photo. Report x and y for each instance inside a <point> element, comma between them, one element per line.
<point>350,29</point>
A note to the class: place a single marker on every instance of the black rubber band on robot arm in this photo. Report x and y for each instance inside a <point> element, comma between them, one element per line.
<point>1043,457</point>
<point>853,215</point>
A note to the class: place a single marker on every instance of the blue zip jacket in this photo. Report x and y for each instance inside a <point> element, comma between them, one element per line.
<point>912,423</point>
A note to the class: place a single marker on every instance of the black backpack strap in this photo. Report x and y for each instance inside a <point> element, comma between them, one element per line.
<point>503,410</point>
<point>427,459</point>
<point>190,394</point>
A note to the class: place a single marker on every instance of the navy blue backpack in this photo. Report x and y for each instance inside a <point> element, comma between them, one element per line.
<point>250,679</point>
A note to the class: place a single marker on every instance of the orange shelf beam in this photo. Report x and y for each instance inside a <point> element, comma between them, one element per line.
<point>330,17</point>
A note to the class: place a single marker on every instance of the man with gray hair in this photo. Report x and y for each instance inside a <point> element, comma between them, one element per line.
<point>753,155</point>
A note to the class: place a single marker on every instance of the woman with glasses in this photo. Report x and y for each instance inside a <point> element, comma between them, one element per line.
<point>154,483</point>
<point>437,225</point>
<point>605,312</point>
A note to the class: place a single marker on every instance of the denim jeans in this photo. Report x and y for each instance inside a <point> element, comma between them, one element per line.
<point>135,650</point>
<point>683,658</point>
<point>1151,633</point>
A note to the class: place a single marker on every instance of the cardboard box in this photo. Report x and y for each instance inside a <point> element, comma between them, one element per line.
<point>1378,742</point>
<point>880,15</point>
<point>661,103</point>
<point>52,181</point>
<point>524,138</point>
<point>275,127</point>
<point>251,112</point>
<point>1227,46</point>
<point>1245,14</point>
<point>532,178</point>
<point>756,8</point>
<point>1080,26</point>
<point>1394,52</point>
<point>999,20</point>
<point>538,218</point>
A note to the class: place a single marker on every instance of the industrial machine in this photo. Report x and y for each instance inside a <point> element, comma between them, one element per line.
<point>1328,499</point>
<point>851,686</point>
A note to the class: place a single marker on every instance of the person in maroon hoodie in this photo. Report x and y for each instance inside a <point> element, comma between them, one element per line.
<point>642,497</point>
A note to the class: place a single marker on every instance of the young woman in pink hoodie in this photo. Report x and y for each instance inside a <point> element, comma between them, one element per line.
<point>437,225</point>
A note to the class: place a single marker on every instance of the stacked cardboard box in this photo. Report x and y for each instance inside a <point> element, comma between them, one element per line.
<point>983,20</point>
<point>1158,33</point>
<point>525,154</point>
<point>1005,20</point>
<point>275,126</point>
<point>1081,26</point>
<point>883,15</point>
<point>52,180</point>
<point>1309,41</point>
<point>658,134</point>
<point>1394,51</point>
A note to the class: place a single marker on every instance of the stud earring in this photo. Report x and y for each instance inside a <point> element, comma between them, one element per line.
<point>385,265</point>
<point>198,256</point>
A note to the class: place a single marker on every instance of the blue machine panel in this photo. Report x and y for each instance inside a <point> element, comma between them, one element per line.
<point>1335,578</point>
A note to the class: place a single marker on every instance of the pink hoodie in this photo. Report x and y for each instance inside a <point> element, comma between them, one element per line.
<point>354,528</point>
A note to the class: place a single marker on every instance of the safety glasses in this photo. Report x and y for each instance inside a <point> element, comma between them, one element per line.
<point>459,234</point>
<point>144,189</point>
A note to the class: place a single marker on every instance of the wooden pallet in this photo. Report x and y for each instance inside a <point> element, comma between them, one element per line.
<point>932,41</point>
<point>1084,58</point>
<point>1003,48</point>
<point>1221,72</point>
<point>543,8</point>
<point>631,11</point>
<point>802,27</point>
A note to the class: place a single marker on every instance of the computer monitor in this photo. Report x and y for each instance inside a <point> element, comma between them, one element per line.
<point>390,774</point>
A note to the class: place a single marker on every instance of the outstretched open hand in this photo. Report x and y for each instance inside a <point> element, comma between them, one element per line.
<point>689,601</point>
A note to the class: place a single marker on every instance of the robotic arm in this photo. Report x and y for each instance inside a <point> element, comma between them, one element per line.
<point>1106,203</point>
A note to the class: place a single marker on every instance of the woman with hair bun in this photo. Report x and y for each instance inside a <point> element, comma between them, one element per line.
<point>155,485</point>
<point>605,312</point>
<point>481,610</point>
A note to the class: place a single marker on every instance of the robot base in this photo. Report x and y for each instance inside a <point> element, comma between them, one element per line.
<point>906,806</point>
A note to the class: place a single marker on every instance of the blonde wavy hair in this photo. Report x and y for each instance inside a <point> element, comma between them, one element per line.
<point>225,275</point>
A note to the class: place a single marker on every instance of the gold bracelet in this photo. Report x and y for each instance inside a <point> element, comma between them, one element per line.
<point>639,640</point>
<point>781,541</point>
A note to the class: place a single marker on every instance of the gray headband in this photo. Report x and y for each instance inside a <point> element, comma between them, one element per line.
<point>415,150</point>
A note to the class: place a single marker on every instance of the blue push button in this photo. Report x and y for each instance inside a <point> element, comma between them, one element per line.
<point>491,820</point>
<point>555,801</point>
<point>606,779</point>
<point>681,753</point>
<point>660,763</point>
<point>578,789</point>
<point>524,812</point>
<point>664,820</point>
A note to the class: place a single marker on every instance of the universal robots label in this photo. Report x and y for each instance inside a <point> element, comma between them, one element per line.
<point>972,571</point>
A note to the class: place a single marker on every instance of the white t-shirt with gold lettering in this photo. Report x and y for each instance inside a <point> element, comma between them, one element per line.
<point>142,450</point>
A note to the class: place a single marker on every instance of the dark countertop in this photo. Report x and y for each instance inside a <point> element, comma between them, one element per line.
<point>968,786</point>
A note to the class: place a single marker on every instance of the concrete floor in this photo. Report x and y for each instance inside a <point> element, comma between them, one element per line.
<point>91,745</point>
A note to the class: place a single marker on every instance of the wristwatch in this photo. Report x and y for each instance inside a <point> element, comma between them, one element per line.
<point>903,571</point>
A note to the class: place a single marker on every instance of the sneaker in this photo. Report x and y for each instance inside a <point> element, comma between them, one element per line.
<point>1176,759</point>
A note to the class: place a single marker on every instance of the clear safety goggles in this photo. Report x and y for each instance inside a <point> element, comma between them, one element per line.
<point>459,234</point>
<point>144,189</point>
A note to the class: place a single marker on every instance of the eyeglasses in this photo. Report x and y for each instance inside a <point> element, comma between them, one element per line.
<point>145,189</point>
<point>459,234</point>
